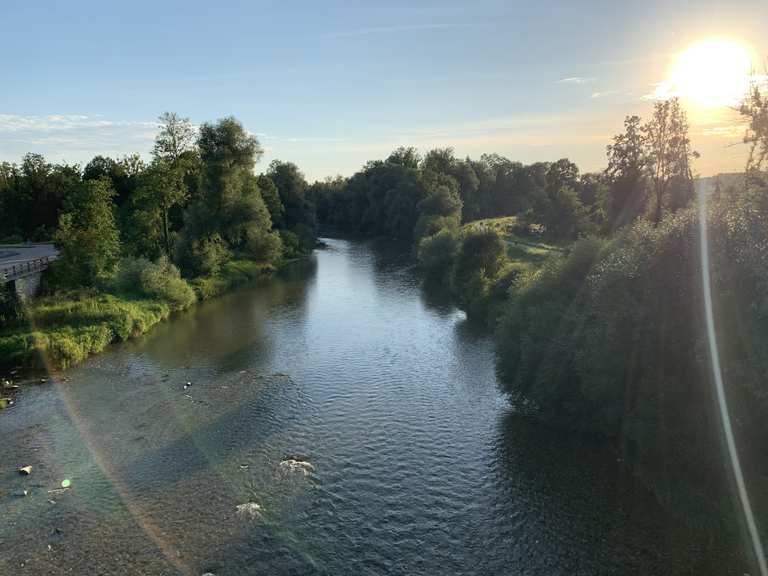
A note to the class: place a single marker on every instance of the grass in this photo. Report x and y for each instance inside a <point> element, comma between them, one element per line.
<point>63,330</point>
<point>525,244</point>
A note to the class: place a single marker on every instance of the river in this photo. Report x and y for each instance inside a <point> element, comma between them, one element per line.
<point>407,459</point>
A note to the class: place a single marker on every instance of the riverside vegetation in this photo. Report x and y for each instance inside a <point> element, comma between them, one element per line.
<point>139,241</point>
<point>600,328</point>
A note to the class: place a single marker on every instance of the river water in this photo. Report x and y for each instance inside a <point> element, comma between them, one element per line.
<point>407,459</point>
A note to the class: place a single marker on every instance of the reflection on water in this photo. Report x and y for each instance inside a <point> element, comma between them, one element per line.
<point>413,463</point>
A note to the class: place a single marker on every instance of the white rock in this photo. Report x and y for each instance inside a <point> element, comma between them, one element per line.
<point>251,509</point>
<point>292,465</point>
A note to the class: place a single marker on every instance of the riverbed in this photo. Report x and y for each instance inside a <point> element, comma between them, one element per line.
<point>338,419</point>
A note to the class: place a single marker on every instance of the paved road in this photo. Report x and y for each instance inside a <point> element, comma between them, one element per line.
<point>15,253</point>
<point>20,261</point>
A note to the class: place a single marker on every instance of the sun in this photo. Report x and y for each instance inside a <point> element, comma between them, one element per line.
<point>711,73</point>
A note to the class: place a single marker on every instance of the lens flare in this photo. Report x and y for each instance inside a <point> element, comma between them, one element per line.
<point>711,73</point>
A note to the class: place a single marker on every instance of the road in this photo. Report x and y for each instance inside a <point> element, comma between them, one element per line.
<point>20,260</point>
<point>16,253</point>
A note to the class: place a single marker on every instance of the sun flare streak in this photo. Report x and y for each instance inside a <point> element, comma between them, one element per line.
<point>717,374</point>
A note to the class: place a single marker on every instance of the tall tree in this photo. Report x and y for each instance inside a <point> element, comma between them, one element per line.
<point>176,136</point>
<point>626,174</point>
<point>271,197</point>
<point>292,187</point>
<point>668,154</point>
<point>755,108</point>
<point>87,237</point>
<point>230,213</point>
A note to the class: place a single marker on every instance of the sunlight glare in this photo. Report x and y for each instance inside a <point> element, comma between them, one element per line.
<point>711,73</point>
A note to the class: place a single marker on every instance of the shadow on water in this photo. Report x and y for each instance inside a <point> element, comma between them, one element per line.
<point>589,514</point>
<point>231,332</point>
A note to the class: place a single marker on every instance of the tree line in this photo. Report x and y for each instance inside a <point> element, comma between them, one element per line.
<point>195,205</point>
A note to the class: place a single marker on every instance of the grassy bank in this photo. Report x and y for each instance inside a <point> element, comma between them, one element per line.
<point>63,330</point>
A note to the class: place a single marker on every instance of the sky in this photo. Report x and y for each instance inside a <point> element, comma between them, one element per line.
<point>330,85</point>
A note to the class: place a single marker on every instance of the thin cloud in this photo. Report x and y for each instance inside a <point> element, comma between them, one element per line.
<point>72,137</point>
<point>576,80</point>
<point>62,122</point>
<point>391,30</point>
<point>604,93</point>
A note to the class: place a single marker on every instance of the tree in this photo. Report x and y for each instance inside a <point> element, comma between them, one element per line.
<point>161,190</point>
<point>176,136</point>
<point>668,155</point>
<point>755,108</point>
<point>271,197</point>
<point>123,174</point>
<point>87,237</point>
<point>292,187</point>
<point>566,217</point>
<point>229,215</point>
<point>440,160</point>
<point>481,256</point>
<point>437,252</point>
<point>626,197</point>
<point>407,157</point>
<point>34,195</point>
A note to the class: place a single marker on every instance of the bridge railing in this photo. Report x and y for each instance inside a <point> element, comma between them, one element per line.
<point>11,272</point>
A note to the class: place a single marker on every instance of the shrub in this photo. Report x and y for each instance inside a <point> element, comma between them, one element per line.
<point>437,252</point>
<point>203,257</point>
<point>160,280</point>
<point>480,257</point>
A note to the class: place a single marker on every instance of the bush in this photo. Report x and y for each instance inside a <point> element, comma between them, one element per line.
<point>437,252</point>
<point>203,257</point>
<point>160,280</point>
<point>263,245</point>
<point>480,257</point>
<point>291,247</point>
<point>163,281</point>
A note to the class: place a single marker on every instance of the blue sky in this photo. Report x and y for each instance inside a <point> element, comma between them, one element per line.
<point>330,85</point>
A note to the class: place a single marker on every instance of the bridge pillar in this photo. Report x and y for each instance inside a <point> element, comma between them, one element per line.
<point>11,307</point>
<point>27,286</point>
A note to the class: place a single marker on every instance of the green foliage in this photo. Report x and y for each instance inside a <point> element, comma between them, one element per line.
<point>611,339</point>
<point>204,256</point>
<point>87,237</point>
<point>272,200</point>
<point>198,202</point>
<point>233,274</point>
<point>32,196</point>
<point>292,190</point>
<point>149,230</point>
<point>65,329</point>
<point>565,216</point>
<point>755,109</point>
<point>480,258</point>
<point>649,167</point>
<point>160,280</point>
<point>436,253</point>
<point>230,215</point>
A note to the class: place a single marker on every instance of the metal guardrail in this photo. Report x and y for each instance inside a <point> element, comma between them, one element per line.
<point>11,272</point>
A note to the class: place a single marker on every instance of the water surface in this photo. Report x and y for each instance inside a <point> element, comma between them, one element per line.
<point>346,362</point>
